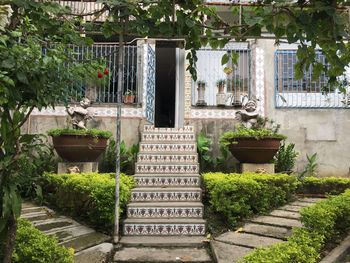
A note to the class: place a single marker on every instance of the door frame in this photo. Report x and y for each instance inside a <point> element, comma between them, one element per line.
<point>180,88</point>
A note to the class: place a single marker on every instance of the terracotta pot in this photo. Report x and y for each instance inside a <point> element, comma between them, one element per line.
<point>128,99</point>
<point>75,148</point>
<point>251,150</point>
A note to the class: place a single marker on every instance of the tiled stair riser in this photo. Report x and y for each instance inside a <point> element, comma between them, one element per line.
<point>163,158</point>
<point>164,229</point>
<point>167,181</point>
<point>173,137</point>
<point>165,212</point>
<point>150,128</point>
<point>186,196</point>
<point>165,168</point>
<point>167,147</point>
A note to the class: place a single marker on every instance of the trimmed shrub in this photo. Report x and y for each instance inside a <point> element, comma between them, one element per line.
<point>90,195</point>
<point>324,223</point>
<point>327,185</point>
<point>33,246</point>
<point>237,196</point>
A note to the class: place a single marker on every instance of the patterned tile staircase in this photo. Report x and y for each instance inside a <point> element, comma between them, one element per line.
<point>167,199</point>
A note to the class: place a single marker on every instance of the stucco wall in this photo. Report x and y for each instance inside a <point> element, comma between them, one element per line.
<point>321,131</point>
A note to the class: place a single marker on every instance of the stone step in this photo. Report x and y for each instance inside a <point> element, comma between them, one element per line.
<point>85,241</point>
<point>35,209</point>
<point>190,194</point>
<point>162,255</point>
<point>167,227</point>
<point>151,128</point>
<point>167,158</point>
<point>54,223</point>
<point>163,241</point>
<point>35,216</point>
<point>172,148</point>
<point>95,254</point>
<point>247,240</point>
<point>277,221</point>
<point>168,137</point>
<point>167,168</point>
<point>165,180</point>
<point>165,210</point>
<point>68,233</point>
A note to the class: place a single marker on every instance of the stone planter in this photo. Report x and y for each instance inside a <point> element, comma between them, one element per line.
<point>221,99</point>
<point>251,150</point>
<point>201,95</point>
<point>79,148</point>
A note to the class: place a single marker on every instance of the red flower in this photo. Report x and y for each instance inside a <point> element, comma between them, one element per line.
<point>99,75</point>
<point>106,71</point>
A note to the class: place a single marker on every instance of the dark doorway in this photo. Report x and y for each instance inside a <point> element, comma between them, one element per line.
<point>165,84</point>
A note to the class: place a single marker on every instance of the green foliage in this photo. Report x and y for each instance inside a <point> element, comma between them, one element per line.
<point>128,158</point>
<point>80,132</point>
<point>239,196</point>
<point>324,222</point>
<point>301,247</point>
<point>310,168</point>
<point>203,148</point>
<point>33,246</point>
<point>285,158</point>
<point>326,185</point>
<point>229,137</point>
<point>89,196</point>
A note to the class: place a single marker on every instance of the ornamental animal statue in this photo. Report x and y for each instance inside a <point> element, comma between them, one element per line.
<point>248,116</point>
<point>80,114</point>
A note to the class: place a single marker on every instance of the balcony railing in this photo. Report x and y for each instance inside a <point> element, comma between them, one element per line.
<point>84,8</point>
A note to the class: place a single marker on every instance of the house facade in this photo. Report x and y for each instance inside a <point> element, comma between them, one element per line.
<point>167,96</point>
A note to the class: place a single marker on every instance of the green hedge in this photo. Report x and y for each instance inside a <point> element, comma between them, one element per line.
<point>90,195</point>
<point>327,185</point>
<point>237,196</point>
<point>33,246</point>
<point>324,222</point>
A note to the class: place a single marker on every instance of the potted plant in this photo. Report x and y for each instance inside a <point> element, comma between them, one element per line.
<point>256,144</point>
<point>79,144</point>
<point>221,85</point>
<point>129,96</point>
<point>201,93</point>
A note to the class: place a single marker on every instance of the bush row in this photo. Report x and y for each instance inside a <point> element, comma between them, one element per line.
<point>321,186</point>
<point>35,247</point>
<point>237,196</point>
<point>324,222</point>
<point>90,195</point>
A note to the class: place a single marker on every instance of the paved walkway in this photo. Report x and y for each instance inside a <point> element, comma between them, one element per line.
<point>261,231</point>
<point>89,245</point>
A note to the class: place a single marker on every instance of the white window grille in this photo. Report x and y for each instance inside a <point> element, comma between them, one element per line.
<point>307,92</point>
<point>210,71</point>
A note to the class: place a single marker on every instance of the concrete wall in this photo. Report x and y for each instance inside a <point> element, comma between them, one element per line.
<point>321,131</point>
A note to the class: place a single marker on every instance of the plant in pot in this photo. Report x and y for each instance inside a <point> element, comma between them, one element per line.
<point>129,97</point>
<point>255,140</point>
<point>221,96</point>
<point>79,144</point>
<point>201,93</point>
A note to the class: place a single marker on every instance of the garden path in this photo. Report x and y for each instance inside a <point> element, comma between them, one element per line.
<point>89,245</point>
<point>260,231</point>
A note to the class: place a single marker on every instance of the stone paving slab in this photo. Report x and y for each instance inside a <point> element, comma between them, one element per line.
<point>162,255</point>
<point>269,231</point>
<point>277,221</point>
<point>246,240</point>
<point>291,208</point>
<point>225,253</point>
<point>82,242</point>
<point>310,199</point>
<point>300,203</point>
<point>96,254</point>
<point>285,214</point>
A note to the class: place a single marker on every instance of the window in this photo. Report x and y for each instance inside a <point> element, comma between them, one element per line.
<point>211,71</point>
<point>306,92</point>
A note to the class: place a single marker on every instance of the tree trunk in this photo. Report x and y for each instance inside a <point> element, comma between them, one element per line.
<point>118,137</point>
<point>10,238</point>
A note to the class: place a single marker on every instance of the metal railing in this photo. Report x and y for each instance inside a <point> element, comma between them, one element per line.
<point>307,92</point>
<point>104,90</point>
<point>236,78</point>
